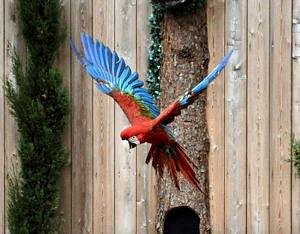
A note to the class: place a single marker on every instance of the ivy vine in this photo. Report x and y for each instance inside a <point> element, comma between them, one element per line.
<point>155,52</point>
<point>296,155</point>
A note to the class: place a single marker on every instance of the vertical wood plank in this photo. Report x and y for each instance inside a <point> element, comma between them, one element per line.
<point>235,118</point>
<point>215,116</point>
<point>296,113</point>
<point>280,109</point>
<point>280,116</point>
<point>258,117</point>
<point>13,39</point>
<point>151,204</point>
<point>146,195</point>
<point>82,144</point>
<point>2,125</point>
<point>125,161</point>
<point>103,125</point>
<point>65,179</point>
<point>93,152</point>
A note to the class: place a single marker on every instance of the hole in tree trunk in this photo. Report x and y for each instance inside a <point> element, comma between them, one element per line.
<point>181,220</point>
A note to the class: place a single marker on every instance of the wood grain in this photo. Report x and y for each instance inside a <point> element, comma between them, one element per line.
<point>2,123</point>
<point>215,116</point>
<point>82,126</point>
<point>103,125</point>
<point>252,111</point>
<point>125,160</point>
<point>12,40</point>
<point>280,116</point>
<point>296,112</point>
<point>146,197</point>
<point>64,64</point>
<point>258,117</point>
<point>235,117</point>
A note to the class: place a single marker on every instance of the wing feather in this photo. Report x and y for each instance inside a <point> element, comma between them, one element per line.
<point>115,78</point>
<point>174,109</point>
<point>127,83</point>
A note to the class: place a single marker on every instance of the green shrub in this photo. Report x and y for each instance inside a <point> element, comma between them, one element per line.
<point>39,102</point>
<point>296,155</point>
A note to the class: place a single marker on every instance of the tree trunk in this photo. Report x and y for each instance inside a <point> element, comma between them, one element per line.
<point>185,62</point>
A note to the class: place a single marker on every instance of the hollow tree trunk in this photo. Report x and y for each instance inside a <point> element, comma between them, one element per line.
<point>185,62</point>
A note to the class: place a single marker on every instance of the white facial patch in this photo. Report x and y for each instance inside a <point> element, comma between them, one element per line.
<point>134,140</point>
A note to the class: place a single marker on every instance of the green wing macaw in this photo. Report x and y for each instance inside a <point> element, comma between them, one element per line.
<point>114,78</point>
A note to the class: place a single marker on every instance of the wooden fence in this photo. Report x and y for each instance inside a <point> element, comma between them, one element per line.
<point>253,112</point>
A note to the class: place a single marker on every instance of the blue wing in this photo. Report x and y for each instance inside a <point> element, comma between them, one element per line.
<point>174,109</point>
<point>112,74</point>
<point>189,96</point>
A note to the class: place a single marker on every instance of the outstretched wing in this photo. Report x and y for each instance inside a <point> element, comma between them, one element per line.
<point>114,78</point>
<point>174,109</point>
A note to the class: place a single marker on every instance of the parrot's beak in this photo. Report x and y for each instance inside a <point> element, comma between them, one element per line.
<point>133,142</point>
<point>131,145</point>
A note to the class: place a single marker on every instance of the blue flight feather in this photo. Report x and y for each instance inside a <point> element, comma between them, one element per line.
<point>76,52</point>
<point>103,88</point>
<point>206,81</point>
<point>115,59</point>
<point>134,76</point>
<point>112,73</point>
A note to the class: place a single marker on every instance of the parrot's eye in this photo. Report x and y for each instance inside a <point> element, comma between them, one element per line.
<point>134,140</point>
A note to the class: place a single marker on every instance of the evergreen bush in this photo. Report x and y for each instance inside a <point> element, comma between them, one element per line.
<point>296,155</point>
<point>39,102</point>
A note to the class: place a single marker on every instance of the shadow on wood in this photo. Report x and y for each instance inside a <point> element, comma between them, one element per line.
<point>181,220</point>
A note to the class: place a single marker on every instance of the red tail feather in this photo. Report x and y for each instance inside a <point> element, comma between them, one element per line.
<point>175,160</point>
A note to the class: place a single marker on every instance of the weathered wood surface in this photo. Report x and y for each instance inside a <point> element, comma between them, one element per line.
<point>280,116</point>
<point>64,62</point>
<point>103,131</point>
<point>2,123</point>
<point>295,111</point>
<point>235,117</point>
<point>215,116</point>
<point>82,126</point>
<point>258,118</point>
<point>125,159</point>
<point>145,181</point>
<point>11,40</point>
<point>253,112</point>
<point>271,83</point>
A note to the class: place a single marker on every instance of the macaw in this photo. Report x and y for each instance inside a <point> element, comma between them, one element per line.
<point>113,77</point>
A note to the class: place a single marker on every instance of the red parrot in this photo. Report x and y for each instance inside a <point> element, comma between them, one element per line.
<point>114,78</point>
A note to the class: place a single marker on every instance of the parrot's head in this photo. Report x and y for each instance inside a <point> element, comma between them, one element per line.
<point>133,137</point>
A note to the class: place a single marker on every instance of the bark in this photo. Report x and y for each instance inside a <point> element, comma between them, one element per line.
<point>185,63</point>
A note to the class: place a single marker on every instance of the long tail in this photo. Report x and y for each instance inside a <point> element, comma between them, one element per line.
<point>176,161</point>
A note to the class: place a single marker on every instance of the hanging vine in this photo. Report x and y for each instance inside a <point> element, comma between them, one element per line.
<point>296,155</point>
<point>155,52</point>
